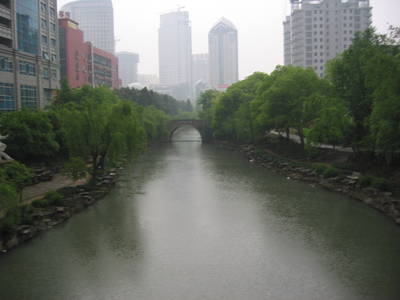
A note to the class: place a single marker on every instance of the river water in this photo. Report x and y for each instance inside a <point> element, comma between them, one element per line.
<point>190,221</point>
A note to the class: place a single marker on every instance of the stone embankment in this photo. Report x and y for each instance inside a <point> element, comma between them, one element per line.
<point>75,200</point>
<point>347,184</point>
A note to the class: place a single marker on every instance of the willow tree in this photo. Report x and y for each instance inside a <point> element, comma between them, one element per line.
<point>101,128</point>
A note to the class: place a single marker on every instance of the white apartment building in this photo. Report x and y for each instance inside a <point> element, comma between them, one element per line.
<point>223,54</point>
<point>319,30</point>
<point>96,20</point>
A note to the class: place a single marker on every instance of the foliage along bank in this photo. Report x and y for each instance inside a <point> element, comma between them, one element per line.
<point>92,129</point>
<point>356,105</point>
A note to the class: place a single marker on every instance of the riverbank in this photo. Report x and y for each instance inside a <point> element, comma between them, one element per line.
<point>44,215</point>
<point>344,182</point>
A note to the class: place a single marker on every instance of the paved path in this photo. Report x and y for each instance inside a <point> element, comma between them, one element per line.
<point>37,191</point>
<point>295,138</point>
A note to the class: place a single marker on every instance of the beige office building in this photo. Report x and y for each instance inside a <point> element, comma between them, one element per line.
<point>29,62</point>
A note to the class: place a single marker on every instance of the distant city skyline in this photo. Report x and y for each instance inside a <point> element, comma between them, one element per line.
<point>259,23</point>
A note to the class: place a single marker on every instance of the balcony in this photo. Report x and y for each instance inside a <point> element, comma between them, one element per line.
<point>5,32</point>
<point>5,12</point>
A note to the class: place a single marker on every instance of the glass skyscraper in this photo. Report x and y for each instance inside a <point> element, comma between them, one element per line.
<point>96,20</point>
<point>223,54</point>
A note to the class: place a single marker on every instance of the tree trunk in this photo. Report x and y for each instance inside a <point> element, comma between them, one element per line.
<point>287,133</point>
<point>301,136</point>
<point>95,165</point>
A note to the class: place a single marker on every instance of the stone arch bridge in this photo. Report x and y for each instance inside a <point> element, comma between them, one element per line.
<point>173,125</point>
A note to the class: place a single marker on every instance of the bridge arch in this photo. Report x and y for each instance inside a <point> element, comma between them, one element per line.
<point>173,125</point>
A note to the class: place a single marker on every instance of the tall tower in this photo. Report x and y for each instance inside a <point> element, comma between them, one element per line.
<point>175,52</point>
<point>29,53</point>
<point>96,20</point>
<point>223,54</point>
<point>128,67</point>
<point>318,30</point>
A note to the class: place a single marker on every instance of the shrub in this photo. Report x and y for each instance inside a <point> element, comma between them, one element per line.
<point>54,198</point>
<point>312,153</point>
<point>330,172</point>
<point>380,184</point>
<point>345,166</point>
<point>320,168</point>
<point>26,214</point>
<point>365,181</point>
<point>41,203</point>
<point>11,219</point>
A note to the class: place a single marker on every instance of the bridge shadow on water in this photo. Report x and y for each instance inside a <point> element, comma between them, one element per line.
<point>186,134</point>
<point>178,133</point>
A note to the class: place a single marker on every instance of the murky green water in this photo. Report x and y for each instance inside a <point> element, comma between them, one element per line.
<point>190,221</point>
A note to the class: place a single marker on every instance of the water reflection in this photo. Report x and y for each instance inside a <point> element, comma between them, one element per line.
<point>189,221</point>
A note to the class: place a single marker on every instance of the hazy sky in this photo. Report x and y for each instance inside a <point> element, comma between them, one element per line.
<point>259,24</point>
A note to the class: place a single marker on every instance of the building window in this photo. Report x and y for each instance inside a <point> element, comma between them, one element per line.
<point>52,12</point>
<point>43,23</point>
<point>6,64</point>
<point>27,68</point>
<point>53,27</point>
<point>27,26</point>
<point>48,94</point>
<point>45,40</point>
<point>43,7</point>
<point>54,74</point>
<point>29,97</point>
<point>45,73</point>
<point>7,101</point>
<point>53,43</point>
<point>53,58</point>
<point>45,55</point>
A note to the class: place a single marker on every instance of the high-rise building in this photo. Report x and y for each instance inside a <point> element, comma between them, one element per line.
<point>200,68</point>
<point>96,20</point>
<point>81,62</point>
<point>29,63</point>
<point>318,30</point>
<point>223,54</point>
<point>201,73</point>
<point>128,67</point>
<point>175,52</point>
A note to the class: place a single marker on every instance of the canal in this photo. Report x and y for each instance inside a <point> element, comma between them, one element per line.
<point>189,221</point>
